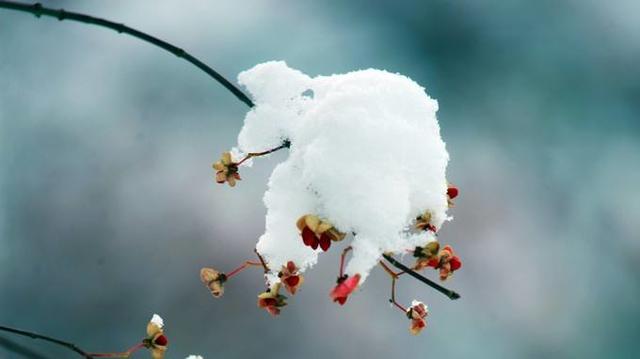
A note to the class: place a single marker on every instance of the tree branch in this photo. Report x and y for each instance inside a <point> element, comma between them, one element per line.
<point>38,10</point>
<point>448,292</point>
<point>31,335</point>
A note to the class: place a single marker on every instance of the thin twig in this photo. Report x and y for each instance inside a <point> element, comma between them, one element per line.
<point>342,257</point>
<point>285,144</point>
<point>448,292</point>
<point>394,276</point>
<point>264,264</point>
<point>38,10</point>
<point>32,335</point>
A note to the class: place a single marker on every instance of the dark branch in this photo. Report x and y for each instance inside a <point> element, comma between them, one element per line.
<point>448,292</point>
<point>20,350</point>
<point>61,14</point>
<point>31,335</point>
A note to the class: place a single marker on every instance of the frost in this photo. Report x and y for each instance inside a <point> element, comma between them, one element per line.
<point>366,155</point>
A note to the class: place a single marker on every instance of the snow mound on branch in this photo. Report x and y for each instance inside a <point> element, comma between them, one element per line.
<point>366,155</point>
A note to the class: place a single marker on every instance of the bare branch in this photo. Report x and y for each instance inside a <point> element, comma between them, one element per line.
<point>38,10</point>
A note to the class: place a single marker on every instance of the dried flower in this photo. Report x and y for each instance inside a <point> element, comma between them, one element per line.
<point>226,170</point>
<point>417,314</point>
<point>346,285</point>
<point>156,341</point>
<point>271,300</point>
<point>427,256</point>
<point>316,232</point>
<point>214,280</point>
<point>423,222</point>
<point>290,277</point>
<point>449,262</point>
<point>446,261</point>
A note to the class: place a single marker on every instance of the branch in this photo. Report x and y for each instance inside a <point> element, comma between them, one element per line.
<point>31,335</point>
<point>448,292</point>
<point>38,10</point>
<point>22,351</point>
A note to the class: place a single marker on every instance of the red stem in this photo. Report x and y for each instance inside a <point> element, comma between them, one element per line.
<point>119,355</point>
<point>241,268</point>
<point>394,276</point>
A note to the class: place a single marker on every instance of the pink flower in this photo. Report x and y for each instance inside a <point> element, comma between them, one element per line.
<point>345,287</point>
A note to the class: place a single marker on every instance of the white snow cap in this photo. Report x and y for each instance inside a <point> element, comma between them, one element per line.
<point>157,320</point>
<point>366,155</point>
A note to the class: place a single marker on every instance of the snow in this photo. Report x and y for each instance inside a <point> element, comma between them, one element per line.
<point>157,320</point>
<point>194,357</point>
<point>366,155</point>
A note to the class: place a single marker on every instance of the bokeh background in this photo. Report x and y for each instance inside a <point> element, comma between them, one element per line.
<point>108,207</point>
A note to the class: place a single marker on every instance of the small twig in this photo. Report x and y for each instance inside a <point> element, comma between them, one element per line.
<point>448,292</point>
<point>285,144</point>
<point>38,10</point>
<point>32,335</point>
<point>342,257</point>
<point>394,276</point>
<point>264,264</point>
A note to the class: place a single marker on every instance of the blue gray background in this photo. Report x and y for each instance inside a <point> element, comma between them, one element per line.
<point>108,207</point>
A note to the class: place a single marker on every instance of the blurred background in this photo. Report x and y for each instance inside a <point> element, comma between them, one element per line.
<point>108,207</point>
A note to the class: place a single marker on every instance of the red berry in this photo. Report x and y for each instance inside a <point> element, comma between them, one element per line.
<point>161,340</point>
<point>308,237</point>
<point>455,263</point>
<point>293,280</point>
<point>325,242</point>
<point>452,192</point>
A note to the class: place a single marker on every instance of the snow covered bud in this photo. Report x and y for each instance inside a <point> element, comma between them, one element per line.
<point>452,192</point>
<point>290,277</point>
<point>214,280</point>
<point>156,341</point>
<point>417,314</point>
<point>423,222</point>
<point>316,232</point>
<point>448,262</point>
<point>272,300</point>
<point>427,256</point>
<point>226,170</point>
<point>346,286</point>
